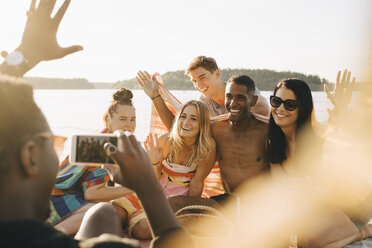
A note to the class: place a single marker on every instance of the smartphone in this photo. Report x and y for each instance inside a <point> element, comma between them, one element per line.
<point>88,149</point>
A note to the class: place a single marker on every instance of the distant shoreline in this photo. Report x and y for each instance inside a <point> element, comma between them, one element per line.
<point>264,79</point>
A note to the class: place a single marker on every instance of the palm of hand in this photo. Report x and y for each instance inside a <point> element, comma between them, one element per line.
<point>39,39</point>
<point>155,154</point>
<point>341,95</point>
<point>40,35</point>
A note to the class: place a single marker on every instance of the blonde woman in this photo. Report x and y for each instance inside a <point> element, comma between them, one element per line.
<point>184,157</point>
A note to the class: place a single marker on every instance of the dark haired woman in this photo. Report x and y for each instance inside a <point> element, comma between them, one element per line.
<point>291,135</point>
<point>292,106</point>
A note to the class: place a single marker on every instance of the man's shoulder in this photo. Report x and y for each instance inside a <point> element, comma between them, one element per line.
<point>220,124</point>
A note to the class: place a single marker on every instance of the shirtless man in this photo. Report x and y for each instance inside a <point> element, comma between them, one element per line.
<point>206,76</point>
<point>240,139</point>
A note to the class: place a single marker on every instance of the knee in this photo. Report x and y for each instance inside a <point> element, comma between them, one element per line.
<point>141,230</point>
<point>102,212</point>
<point>176,202</point>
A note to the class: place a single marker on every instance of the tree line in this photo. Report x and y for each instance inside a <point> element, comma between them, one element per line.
<point>264,79</point>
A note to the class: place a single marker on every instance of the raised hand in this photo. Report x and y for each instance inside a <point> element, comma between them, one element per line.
<point>149,86</point>
<point>39,41</point>
<point>136,171</point>
<point>341,95</point>
<point>153,149</point>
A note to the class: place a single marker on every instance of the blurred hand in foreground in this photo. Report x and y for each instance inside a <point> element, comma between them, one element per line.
<point>341,95</point>
<point>40,34</point>
<point>39,41</point>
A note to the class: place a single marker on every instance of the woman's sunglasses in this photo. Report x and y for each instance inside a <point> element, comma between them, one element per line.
<point>289,104</point>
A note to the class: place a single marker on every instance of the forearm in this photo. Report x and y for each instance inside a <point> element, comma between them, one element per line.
<point>29,61</point>
<point>103,193</point>
<point>196,188</point>
<point>344,242</point>
<point>165,114</point>
<point>158,169</point>
<point>157,208</point>
<point>261,107</point>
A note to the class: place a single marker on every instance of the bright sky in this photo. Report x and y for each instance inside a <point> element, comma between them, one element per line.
<point>121,37</point>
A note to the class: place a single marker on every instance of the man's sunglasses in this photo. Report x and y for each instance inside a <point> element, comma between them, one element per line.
<point>289,104</point>
<point>58,141</point>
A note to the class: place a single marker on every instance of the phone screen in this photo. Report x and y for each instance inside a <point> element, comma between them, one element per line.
<point>89,149</point>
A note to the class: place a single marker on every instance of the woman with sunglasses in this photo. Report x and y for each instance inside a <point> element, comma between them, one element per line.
<point>292,106</point>
<point>290,133</point>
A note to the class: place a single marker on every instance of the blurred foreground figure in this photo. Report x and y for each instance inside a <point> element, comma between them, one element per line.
<point>29,162</point>
<point>320,191</point>
<point>39,41</point>
<point>28,172</point>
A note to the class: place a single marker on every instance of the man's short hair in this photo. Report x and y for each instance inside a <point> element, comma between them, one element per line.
<point>207,63</point>
<point>243,80</point>
<point>21,118</point>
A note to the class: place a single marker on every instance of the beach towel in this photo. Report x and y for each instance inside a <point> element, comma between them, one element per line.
<point>68,193</point>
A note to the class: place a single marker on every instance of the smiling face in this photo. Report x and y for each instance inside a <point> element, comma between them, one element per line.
<point>205,81</point>
<point>124,118</point>
<point>238,101</point>
<point>188,122</point>
<point>282,117</point>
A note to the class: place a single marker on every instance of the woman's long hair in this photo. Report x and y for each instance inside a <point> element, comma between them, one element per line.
<point>203,142</point>
<point>277,143</point>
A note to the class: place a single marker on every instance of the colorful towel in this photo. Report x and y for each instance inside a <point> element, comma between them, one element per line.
<point>68,193</point>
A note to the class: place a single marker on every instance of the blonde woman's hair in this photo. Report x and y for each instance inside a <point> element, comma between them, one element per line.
<point>203,142</point>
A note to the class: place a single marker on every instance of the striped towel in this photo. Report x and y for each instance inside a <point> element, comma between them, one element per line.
<point>68,192</point>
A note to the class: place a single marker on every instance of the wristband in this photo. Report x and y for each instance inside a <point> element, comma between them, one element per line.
<point>152,98</point>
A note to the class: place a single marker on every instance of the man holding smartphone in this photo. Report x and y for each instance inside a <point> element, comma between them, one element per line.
<point>29,163</point>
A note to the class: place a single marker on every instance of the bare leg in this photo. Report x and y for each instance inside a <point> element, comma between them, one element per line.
<point>334,230</point>
<point>123,214</point>
<point>99,219</point>
<point>142,230</point>
<point>72,223</point>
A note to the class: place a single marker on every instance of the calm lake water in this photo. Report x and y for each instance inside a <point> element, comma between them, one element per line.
<point>80,111</point>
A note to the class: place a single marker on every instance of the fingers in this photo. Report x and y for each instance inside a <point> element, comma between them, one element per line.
<point>343,80</point>
<point>326,90</point>
<point>143,76</point>
<point>148,75</point>
<point>151,140</point>
<point>337,80</point>
<point>123,142</point>
<point>71,49</point>
<point>61,12</point>
<point>32,5</point>
<point>4,54</point>
<point>139,80</point>
<point>46,6</point>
